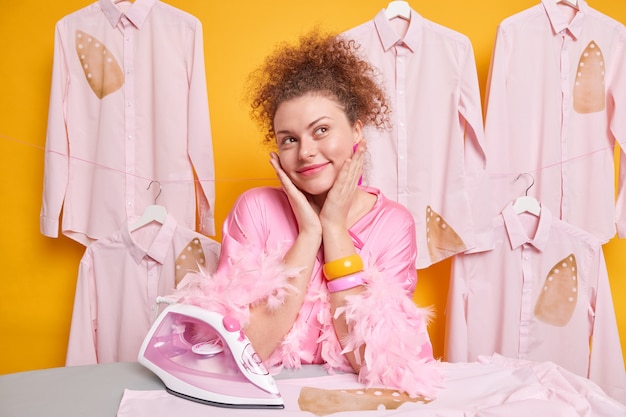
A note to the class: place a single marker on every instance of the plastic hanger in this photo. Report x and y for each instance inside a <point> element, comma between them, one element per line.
<point>152,213</point>
<point>398,9</point>
<point>526,203</point>
<point>573,3</point>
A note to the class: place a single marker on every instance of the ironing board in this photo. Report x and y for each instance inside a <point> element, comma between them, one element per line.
<point>497,386</point>
<point>492,386</point>
<point>79,391</point>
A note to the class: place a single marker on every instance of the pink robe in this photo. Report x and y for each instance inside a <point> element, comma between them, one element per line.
<point>256,235</point>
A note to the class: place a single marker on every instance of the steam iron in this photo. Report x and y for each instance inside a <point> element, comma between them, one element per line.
<point>203,356</point>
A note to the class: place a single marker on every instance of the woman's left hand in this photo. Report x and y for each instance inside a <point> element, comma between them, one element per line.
<point>343,192</point>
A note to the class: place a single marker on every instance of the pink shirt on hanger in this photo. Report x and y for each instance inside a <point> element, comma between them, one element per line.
<point>555,108</point>
<point>128,105</point>
<point>432,159</point>
<point>541,294</point>
<point>120,277</point>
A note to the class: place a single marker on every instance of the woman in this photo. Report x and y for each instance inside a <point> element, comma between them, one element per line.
<point>322,270</point>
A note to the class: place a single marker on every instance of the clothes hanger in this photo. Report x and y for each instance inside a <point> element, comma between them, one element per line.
<point>526,203</point>
<point>573,3</point>
<point>152,213</point>
<point>398,9</point>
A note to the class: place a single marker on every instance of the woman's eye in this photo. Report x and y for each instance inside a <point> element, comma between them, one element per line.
<point>288,140</point>
<point>321,130</point>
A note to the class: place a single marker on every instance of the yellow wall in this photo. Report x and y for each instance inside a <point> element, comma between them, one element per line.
<point>37,285</point>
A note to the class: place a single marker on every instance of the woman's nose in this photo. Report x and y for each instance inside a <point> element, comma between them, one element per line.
<point>307,149</point>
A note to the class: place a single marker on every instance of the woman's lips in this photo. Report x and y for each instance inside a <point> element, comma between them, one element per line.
<point>311,169</point>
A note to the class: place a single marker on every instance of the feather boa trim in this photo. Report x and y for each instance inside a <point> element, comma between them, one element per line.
<point>248,280</point>
<point>392,331</point>
<point>383,321</point>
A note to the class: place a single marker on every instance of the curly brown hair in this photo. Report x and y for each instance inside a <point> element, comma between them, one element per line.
<point>321,63</point>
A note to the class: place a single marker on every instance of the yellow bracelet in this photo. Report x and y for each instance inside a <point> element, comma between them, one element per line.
<point>343,266</point>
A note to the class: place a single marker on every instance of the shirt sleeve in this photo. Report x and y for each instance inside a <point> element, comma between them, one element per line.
<point>246,229</point>
<point>606,365</point>
<point>497,108</point>
<point>250,266</point>
<point>56,159</point>
<point>383,319</point>
<point>617,125</point>
<point>81,349</point>
<point>455,344</point>
<point>496,119</point>
<point>394,248</point>
<point>470,109</point>
<point>200,139</point>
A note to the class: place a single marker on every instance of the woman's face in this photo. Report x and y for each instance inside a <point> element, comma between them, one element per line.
<point>314,138</point>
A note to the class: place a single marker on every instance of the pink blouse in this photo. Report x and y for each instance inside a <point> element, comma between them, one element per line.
<point>383,320</point>
<point>385,239</point>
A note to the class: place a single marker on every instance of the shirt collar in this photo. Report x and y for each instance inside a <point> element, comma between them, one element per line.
<point>389,37</point>
<point>159,247</point>
<point>558,21</point>
<point>137,13</point>
<point>516,232</point>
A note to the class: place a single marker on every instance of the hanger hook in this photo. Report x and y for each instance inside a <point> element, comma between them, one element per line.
<point>532,179</point>
<point>150,185</point>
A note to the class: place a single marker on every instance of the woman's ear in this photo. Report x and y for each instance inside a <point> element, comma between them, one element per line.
<point>357,131</point>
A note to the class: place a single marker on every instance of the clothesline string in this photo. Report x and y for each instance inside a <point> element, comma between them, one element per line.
<point>529,171</point>
<point>536,170</point>
<point>162,182</point>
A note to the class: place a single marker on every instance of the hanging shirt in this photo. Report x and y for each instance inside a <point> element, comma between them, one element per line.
<point>555,108</point>
<point>431,160</point>
<point>120,277</point>
<point>541,294</point>
<point>128,105</point>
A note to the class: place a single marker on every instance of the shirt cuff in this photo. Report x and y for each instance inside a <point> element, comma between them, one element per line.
<point>49,227</point>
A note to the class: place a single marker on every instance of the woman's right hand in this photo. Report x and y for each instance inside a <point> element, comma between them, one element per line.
<point>304,209</point>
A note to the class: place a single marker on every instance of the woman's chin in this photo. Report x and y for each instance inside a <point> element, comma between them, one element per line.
<point>314,189</point>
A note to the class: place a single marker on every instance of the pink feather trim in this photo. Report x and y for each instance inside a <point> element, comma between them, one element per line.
<point>383,319</point>
<point>393,332</point>
<point>250,279</point>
